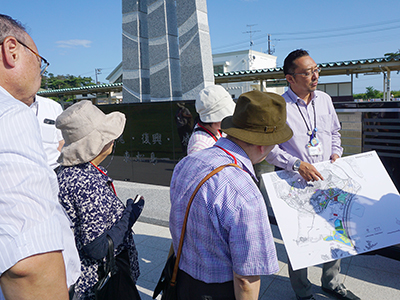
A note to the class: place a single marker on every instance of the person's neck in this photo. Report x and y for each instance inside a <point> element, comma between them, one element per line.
<point>98,159</point>
<point>305,96</point>
<point>246,147</point>
<point>210,128</point>
<point>17,95</point>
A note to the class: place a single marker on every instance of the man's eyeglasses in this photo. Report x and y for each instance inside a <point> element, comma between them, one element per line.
<point>43,62</point>
<point>308,73</point>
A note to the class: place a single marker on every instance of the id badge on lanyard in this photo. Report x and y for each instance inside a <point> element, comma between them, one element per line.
<point>314,147</point>
<point>314,150</point>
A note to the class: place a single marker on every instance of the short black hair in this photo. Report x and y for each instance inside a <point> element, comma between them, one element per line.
<point>289,66</point>
<point>11,27</point>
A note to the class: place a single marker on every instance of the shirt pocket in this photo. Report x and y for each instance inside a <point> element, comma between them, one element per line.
<point>324,124</point>
<point>48,133</point>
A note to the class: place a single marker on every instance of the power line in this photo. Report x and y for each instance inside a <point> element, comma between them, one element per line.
<point>264,37</point>
<point>338,34</point>
<point>338,28</point>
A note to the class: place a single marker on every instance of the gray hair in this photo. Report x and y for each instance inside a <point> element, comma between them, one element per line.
<point>11,27</point>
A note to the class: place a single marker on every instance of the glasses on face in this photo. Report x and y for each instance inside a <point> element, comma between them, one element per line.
<point>43,62</point>
<point>309,73</point>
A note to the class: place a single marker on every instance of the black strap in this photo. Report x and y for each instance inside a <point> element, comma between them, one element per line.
<point>315,117</point>
<point>110,262</point>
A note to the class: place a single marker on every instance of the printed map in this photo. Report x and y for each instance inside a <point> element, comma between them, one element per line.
<point>355,209</point>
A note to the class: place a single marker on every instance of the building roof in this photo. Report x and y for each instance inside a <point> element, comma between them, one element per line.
<point>99,88</point>
<point>373,65</point>
<point>117,69</point>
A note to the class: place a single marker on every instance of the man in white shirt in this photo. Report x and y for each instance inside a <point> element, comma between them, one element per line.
<point>47,111</point>
<point>38,256</point>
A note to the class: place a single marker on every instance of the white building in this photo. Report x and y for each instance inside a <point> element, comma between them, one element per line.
<point>245,60</point>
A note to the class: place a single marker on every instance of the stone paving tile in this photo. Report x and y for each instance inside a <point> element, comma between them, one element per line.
<point>369,277</point>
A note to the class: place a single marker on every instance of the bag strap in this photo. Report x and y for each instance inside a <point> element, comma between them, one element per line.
<point>110,262</point>
<point>178,255</point>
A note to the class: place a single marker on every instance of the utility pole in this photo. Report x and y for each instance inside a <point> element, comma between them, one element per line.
<point>270,51</point>
<point>269,43</point>
<point>96,72</point>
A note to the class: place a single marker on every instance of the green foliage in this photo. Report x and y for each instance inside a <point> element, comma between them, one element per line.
<point>372,93</point>
<point>359,96</point>
<point>391,55</point>
<point>396,94</point>
<point>49,81</point>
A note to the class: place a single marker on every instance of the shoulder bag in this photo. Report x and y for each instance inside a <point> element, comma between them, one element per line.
<point>115,281</point>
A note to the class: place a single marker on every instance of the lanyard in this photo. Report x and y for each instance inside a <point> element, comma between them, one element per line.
<point>112,185</point>
<point>227,152</point>
<point>208,131</point>
<point>311,133</point>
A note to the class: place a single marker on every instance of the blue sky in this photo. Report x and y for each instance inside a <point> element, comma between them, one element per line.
<point>77,37</point>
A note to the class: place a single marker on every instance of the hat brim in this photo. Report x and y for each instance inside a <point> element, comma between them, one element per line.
<point>278,136</point>
<point>90,146</point>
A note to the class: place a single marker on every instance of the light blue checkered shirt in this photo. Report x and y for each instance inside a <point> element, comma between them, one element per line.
<point>228,228</point>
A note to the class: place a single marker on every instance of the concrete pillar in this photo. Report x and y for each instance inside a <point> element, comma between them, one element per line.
<point>166,50</point>
<point>135,51</point>
<point>194,47</point>
<point>165,76</point>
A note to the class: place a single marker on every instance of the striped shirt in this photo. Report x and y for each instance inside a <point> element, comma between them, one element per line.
<point>200,140</point>
<point>228,228</point>
<point>31,220</point>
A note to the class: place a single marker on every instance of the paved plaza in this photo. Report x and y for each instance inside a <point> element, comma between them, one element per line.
<point>369,277</point>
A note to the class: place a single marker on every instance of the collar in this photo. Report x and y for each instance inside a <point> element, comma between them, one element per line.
<point>35,106</point>
<point>296,98</point>
<point>240,155</point>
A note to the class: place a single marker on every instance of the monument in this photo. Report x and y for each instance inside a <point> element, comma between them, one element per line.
<point>166,50</point>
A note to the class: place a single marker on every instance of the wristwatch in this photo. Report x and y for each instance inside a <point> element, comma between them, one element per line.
<point>296,165</point>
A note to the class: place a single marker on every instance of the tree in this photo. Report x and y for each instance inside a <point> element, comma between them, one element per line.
<point>49,81</point>
<point>392,55</point>
<point>372,93</point>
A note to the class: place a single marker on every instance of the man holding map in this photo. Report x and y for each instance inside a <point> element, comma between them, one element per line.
<point>316,138</point>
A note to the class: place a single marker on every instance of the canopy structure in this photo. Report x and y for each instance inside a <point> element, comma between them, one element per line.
<point>361,66</point>
<point>90,89</point>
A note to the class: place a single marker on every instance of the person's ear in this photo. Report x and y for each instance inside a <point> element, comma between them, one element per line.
<point>10,49</point>
<point>289,78</point>
<point>260,149</point>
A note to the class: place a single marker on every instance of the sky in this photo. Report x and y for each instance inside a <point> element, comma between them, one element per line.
<point>77,37</point>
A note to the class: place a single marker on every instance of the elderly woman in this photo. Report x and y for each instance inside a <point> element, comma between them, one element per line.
<point>213,103</point>
<point>88,195</point>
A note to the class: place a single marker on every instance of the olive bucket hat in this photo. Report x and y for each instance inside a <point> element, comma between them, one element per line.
<point>86,130</point>
<point>259,119</point>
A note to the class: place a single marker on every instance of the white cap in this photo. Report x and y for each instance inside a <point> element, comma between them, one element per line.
<point>214,103</point>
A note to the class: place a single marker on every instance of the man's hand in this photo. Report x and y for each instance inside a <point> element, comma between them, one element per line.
<point>309,172</point>
<point>334,157</point>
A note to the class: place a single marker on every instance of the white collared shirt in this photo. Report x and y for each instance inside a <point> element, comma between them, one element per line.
<point>31,220</point>
<point>47,111</point>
